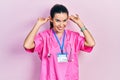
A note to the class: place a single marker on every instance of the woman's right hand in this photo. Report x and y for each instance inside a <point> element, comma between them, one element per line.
<point>29,41</point>
<point>42,20</point>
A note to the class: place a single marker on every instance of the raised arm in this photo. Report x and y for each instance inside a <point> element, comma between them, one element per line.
<point>29,41</point>
<point>89,40</point>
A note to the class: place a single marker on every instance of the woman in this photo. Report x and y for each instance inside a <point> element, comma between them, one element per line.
<point>58,48</point>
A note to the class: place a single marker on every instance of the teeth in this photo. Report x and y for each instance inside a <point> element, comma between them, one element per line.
<point>59,28</point>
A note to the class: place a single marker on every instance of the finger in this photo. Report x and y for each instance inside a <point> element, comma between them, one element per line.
<point>71,17</point>
<point>77,15</point>
<point>48,18</point>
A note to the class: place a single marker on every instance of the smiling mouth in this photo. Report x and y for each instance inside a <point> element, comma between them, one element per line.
<point>60,28</point>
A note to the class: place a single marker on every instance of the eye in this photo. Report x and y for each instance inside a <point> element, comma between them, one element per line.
<point>64,20</point>
<point>57,20</point>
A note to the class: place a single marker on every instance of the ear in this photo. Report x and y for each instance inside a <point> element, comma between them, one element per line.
<point>51,20</point>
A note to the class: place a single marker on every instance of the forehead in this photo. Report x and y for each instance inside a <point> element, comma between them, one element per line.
<point>61,16</point>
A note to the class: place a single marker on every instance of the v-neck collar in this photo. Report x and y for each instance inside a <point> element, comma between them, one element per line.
<point>53,38</point>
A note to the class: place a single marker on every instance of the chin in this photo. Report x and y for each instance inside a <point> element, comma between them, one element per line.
<point>60,31</point>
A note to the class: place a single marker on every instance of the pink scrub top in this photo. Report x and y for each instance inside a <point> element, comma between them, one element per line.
<point>47,47</point>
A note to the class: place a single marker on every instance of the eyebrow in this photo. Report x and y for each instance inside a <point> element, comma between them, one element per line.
<point>59,20</point>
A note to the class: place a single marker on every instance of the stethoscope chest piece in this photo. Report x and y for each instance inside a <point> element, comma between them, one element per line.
<point>48,55</point>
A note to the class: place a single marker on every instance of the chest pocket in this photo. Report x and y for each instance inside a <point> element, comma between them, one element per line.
<point>72,67</point>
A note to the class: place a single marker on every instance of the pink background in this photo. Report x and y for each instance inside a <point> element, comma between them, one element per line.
<point>101,17</point>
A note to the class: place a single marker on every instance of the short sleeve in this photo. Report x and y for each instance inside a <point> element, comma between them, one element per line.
<point>38,40</point>
<point>79,44</point>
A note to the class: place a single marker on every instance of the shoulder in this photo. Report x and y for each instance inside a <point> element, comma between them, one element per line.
<point>72,33</point>
<point>45,32</point>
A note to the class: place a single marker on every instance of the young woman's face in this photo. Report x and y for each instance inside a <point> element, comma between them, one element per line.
<point>59,22</point>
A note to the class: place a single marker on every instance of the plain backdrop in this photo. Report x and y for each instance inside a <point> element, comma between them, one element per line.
<point>101,17</point>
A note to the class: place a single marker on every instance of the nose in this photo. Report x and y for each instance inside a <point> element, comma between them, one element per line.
<point>61,24</point>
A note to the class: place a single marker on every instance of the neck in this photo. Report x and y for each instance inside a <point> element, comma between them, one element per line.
<point>59,34</point>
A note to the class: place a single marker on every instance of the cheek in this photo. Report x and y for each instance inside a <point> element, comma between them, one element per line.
<point>56,24</point>
<point>65,23</point>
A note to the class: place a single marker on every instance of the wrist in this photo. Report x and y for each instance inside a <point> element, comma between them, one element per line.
<point>37,26</point>
<point>83,28</point>
<point>80,24</point>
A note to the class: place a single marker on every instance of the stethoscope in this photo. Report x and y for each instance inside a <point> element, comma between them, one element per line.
<point>48,55</point>
<point>70,58</point>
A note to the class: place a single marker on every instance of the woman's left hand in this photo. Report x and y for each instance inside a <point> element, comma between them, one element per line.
<point>76,19</point>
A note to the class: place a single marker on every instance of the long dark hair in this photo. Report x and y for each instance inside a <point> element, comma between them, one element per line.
<point>58,8</point>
